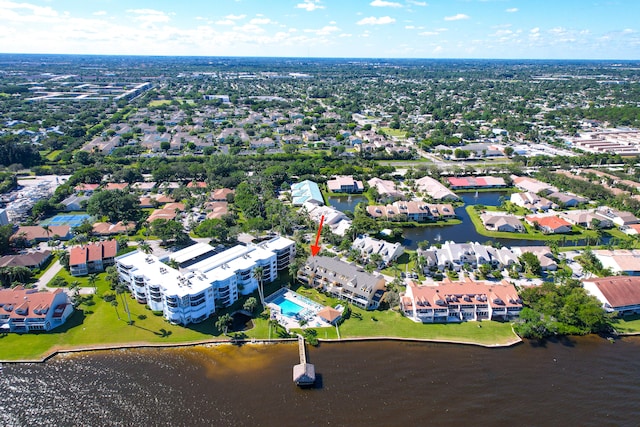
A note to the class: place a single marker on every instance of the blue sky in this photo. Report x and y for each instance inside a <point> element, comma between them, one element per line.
<point>555,29</point>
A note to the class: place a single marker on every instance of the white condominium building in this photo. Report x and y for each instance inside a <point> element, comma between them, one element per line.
<point>192,292</point>
<point>182,298</point>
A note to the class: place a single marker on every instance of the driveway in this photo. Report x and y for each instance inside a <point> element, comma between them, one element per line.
<point>48,275</point>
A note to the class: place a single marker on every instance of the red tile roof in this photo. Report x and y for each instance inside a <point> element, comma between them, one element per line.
<point>116,186</point>
<point>21,303</point>
<point>79,255</point>
<point>33,232</point>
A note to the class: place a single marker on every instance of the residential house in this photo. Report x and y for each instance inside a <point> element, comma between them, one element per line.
<point>412,211</point>
<point>386,189</point>
<point>115,186</point>
<point>502,222</point>
<point>567,200</point>
<point>532,185</point>
<point>36,233</point>
<point>92,257</point>
<point>74,202</point>
<point>25,310</point>
<point>549,224</point>
<point>216,210</point>
<point>306,192</point>
<point>619,294</point>
<point>619,218</point>
<point>86,188</point>
<point>345,184</point>
<point>466,182</point>
<point>343,280</point>
<point>532,202</point>
<point>434,189</point>
<point>543,253</point>
<point>368,246</point>
<point>587,219</point>
<point>335,220</point>
<point>221,194</point>
<point>449,301</point>
<point>109,229</point>
<point>30,260</point>
<point>620,261</point>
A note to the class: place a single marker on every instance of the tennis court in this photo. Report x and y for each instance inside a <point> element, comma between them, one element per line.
<point>65,219</point>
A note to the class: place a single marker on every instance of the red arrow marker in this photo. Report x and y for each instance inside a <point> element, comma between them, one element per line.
<point>315,248</point>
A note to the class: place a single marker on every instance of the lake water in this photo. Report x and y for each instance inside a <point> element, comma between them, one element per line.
<point>575,382</point>
<point>346,203</point>
<point>466,232</point>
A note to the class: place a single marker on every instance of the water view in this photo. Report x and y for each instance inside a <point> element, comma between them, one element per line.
<point>577,382</point>
<point>466,232</point>
<point>346,203</point>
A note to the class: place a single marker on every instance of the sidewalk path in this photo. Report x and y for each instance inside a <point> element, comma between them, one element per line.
<point>48,275</point>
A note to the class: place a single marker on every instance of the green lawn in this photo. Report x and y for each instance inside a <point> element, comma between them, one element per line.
<point>394,132</point>
<point>530,234</point>
<point>101,324</point>
<point>627,325</point>
<point>159,102</point>
<point>393,324</point>
<point>52,155</point>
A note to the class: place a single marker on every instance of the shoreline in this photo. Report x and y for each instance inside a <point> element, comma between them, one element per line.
<point>142,345</point>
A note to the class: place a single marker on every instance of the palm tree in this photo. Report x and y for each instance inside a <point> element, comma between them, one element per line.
<point>114,303</point>
<point>145,247</point>
<point>93,278</point>
<point>258,274</point>
<point>121,289</point>
<point>46,230</point>
<point>223,323</point>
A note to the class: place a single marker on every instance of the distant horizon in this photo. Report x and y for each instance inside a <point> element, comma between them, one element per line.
<point>326,57</point>
<point>402,29</point>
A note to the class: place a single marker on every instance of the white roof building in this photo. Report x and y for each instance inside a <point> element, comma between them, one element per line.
<point>435,189</point>
<point>369,246</point>
<point>189,294</point>
<point>337,221</point>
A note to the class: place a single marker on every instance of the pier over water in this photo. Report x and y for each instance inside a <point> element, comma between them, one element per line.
<point>304,374</point>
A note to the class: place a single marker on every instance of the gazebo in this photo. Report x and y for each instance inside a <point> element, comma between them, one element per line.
<point>329,314</point>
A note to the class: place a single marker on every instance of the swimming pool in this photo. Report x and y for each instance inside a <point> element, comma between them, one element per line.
<point>287,307</point>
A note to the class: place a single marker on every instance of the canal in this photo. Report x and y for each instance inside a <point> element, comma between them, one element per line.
<point>463,232</point>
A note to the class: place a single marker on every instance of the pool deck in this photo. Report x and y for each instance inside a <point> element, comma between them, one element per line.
<point>309,311</point>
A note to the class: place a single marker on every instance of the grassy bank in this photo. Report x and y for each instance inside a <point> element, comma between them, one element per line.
<point>529,235</point>
<point>627,325</point>
<point>101,324</point>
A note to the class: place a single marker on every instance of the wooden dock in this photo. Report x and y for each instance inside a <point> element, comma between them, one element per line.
<point>304,374</point>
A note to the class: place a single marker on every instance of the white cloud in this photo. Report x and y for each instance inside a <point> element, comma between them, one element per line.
<point>383,3</point>
<point>429,33</point>
<point>149,16</point>
<point>235,17</point>
<point>324,31</point>
<point>310,5</point>
<point>512,10</point>
<point>409,27</point>
<point>343,35</point>
<point>261,21</point>
<point>225,22</point>
<point>11,11</point>
<point>417,3</point>
<point>372,20</point>
<point>457,17</point>
<point>99,13</point>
